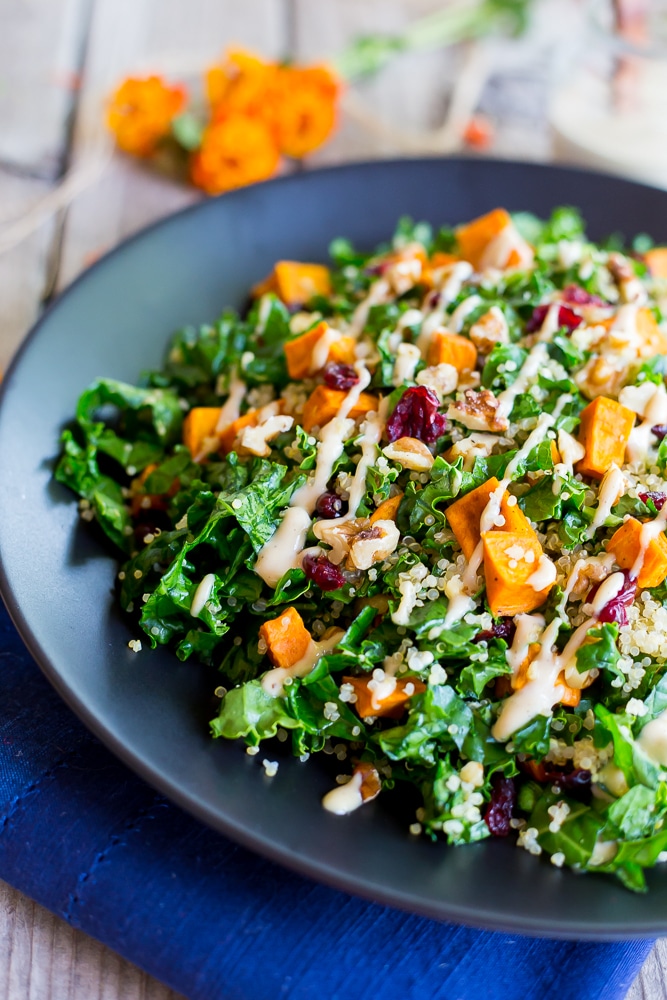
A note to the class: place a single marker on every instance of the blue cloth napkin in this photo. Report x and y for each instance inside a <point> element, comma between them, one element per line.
<point>86,838</point>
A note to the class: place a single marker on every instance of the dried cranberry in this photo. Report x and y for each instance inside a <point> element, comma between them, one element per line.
<point>566,317</point>
<point>580,297</point>
<point>657,499</point>
<point>503,629</point>
<point>416,415</point>
<point>615,610</point>
<point>501,807</point>
<point>432,299</point>
<point>338,376</point>
<point>329,505</point>
<point>660,431</point>
<point>322,572</point>
<point>576,783</point>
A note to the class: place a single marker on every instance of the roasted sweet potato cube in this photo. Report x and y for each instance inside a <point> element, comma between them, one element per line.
<point>570,696</point>
<point>298,283</point>
<point>231,432</point>
<point>199,424</point>
<point>651,337</point>
<point>391,705</point>
<point>474,237</point>
<point>324,403</point>
<point>510,559</point>
<point>626,543</point>
<point>387,510</point>
<point>604,431</point>
<point>452,349</point>
<point>656,261</point>
<point>286,637</point>
<point>302,352</point>
<point>465,513</point>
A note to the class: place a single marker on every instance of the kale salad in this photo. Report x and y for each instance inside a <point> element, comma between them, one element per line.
<point>412,506</point>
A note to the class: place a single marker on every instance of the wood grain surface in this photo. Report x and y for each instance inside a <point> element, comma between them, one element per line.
<point>58,58</point>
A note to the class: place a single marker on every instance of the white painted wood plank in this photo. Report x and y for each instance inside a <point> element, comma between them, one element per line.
<point>43,958</point>
<point>651,983</point>
<point>40,43</point>
<point>127,36</point>
<point>23,269</point>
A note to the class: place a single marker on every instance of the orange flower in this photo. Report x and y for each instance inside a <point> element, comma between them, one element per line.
<point>305,106</point>
<point>141,112</point>
<point>243,82</point>
<point>236,150</point>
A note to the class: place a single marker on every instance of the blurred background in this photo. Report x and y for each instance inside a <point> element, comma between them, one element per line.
<point>582,81</point>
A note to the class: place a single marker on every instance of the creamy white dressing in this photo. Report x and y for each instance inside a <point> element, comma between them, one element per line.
<point>408,357</point>
<point>624,334</point>
<point>202,594</point>
<point>462,311</point>
<point>653,739</point>
<point>544,574</point>
<point>320,355</point>
<point>273,681</point>
<point>454,277</point>
<point>527,375</point>
<point>379,292</point>
<point>371,433</point>
<point>529,628</point>
<point>345,798</point>
<point>231,408</point>
<point>607,591</point>
<point>612,489</point>
<point>654,412</point>
<point>281,552</point>
<point>550,324</point>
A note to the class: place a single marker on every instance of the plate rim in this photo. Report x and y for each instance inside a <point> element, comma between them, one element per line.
<point>333,877</point>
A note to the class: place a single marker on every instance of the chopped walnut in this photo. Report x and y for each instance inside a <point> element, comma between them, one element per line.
<point>411,453</point>
<point>489,330</point>
<point>601,376</point>
<point>443,379</point>
<point>404,269</point>
<point>255,440</point>
<point>594,570</point>
<point>357,541</point>
<point>478,412</point>
<point>629,286</point>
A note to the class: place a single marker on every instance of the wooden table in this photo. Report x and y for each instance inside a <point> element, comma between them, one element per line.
<point>58,58</point>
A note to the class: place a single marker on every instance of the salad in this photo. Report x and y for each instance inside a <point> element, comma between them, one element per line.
<point>412,506</point>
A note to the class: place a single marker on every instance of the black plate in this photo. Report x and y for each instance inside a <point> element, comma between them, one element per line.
<point>152,710</point>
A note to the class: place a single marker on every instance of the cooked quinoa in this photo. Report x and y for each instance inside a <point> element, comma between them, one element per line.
<point>412,506</point>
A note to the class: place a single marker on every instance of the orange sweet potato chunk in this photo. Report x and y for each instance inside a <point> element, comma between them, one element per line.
<point>299,352</point>
<point>474,237</point>
<point>286,637</point>
<point>294,282</point>
<point>452,349</point>
<point>465,513</point>
<point>507,572</point>
<point>656,261</point>
<point>323,404</point>
<point>230,433</point>
<point>297,283</point>
<point>625,544</point>
<point>652,339</point>
<point>604,431</point>
<point>387,510</point>
<point>199,424</point>
<point>392,706</point>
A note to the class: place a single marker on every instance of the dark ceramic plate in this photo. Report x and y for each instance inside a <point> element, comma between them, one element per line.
<point>152,710</point>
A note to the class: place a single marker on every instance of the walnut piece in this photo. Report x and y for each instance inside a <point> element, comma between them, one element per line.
<point>443,379</point>
<point>478,412</point>
<point>411,453</point>
<point>358,541</point>
<point>489,330</point>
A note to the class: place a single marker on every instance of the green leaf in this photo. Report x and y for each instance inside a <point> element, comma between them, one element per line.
<point>250,712</point>
<point>438,720</point>
<point>187,130</point>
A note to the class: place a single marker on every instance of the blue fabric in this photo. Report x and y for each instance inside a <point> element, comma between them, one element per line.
<point>86,838</point>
